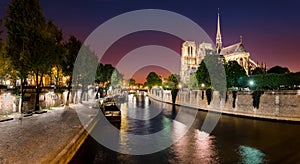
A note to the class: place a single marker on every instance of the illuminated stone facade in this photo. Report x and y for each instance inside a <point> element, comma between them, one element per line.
<point>191,55</point>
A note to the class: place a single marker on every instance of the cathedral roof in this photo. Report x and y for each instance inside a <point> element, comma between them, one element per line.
<point>238,47</point>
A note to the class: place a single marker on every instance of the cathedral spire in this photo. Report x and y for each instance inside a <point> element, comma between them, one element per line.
<point>218,35</point>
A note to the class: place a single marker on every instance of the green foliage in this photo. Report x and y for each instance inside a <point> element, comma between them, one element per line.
<point>131,82</point>
<point>258,71</point>
<point>31,41</point>
<point>24,23</point>
<point>172,81</point>
<point>273,81</point>
<point>84,68</point>
<point>104,73</point>
<point>72,47</point>
<point>233,73</point>
<point>153,79</point>
<point>6,71</point>
<point>193,83</point>
<point>278,70</point>
<point>116,79</point>
<point>202,74</point>
<point>211,72</point>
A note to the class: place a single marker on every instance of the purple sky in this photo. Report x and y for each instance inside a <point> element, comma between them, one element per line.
<point>270,29</point>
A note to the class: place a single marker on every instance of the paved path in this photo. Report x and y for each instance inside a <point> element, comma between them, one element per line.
<point>39,137</point>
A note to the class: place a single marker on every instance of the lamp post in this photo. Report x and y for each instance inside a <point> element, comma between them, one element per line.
<point>251,83</point>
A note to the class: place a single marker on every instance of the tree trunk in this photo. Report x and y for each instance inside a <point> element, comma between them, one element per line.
<point>22,94</point>
<point>82,92</point>
<point>69,91</point>
<point>38,89</point>
<point>57,77</point>
<point>37,93</point>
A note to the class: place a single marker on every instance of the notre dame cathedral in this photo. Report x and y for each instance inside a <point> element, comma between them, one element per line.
<point>192,55</point>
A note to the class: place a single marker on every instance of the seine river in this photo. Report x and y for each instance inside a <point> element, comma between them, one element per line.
<point>234,139</point>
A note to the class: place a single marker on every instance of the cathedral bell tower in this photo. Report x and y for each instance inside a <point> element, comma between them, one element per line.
<point>218,36</point>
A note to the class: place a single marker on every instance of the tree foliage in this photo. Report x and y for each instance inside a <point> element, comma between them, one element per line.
<point>193,82</point>
<point>153,79</point>
<point>104,73</point>
<point>71,47</point>
<point>132,82</point>
<point>234,72</point>
<point>6,71</point>
<point>273,81</point>
<point>31,41</point>
<point>116,79</point>
<point>258,71</point>
<point>211,72</point>
<point>202,74</point>
<point>172,81</point>
<point>278,70</point>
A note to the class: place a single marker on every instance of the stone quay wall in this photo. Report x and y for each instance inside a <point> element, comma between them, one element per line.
<point>278,105</point>
<point>9,102</point>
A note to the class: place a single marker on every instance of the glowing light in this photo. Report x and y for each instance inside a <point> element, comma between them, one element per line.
<point>179,86</point>
<point>251,83</point>
<point>202,85</point>
<point>251,155</point>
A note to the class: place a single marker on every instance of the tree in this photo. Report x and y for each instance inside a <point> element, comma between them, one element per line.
<point>116,79</point>
<point>30,41</point>
<point>131,82</point>
<point>202,74</point>
<point>278,70</point>
<point>234,72</point>
<point>6,70</point>
<point>173,80</point>
<point>153,79</point>
<point>192,82</point>
<point>99,74</point>
<point>258,71</point>
<point>84,70</point>
<point>72,47</point>
<point>58,51</point>
<point>104,73</point>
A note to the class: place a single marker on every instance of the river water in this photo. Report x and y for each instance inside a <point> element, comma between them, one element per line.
<point>233,140</point>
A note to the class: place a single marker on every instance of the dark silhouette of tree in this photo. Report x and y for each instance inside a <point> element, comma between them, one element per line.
<point>173,81</point>
<point>31,41</point>
<point>278,70</point>
<point>72,47</point>
<point>202,75</point>
<point>153,79</point>
<point>131,82</point>
<point>211,72</point>
<point>233,73</point>
<point>104,73</point>
<point>258,71</point>
<point>6,71</point>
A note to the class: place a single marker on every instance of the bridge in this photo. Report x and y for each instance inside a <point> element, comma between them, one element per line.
<point>136,90</point>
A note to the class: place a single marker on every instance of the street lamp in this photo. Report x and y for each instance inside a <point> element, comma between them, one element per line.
<point>202,85</point>
<point>251,83</point>
<point>179,86</point>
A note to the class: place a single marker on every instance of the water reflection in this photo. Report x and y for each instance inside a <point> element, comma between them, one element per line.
<point>251,155</point>
<point>193,148</point>
<point>234,140</point>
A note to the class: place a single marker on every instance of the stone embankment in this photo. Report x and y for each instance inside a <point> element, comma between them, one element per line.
<point>275,105</point>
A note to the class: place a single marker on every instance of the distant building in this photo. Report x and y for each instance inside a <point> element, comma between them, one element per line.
<point>191,55</point>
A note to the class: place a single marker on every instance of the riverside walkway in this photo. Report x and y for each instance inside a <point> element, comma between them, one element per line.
<point>51,137</point>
